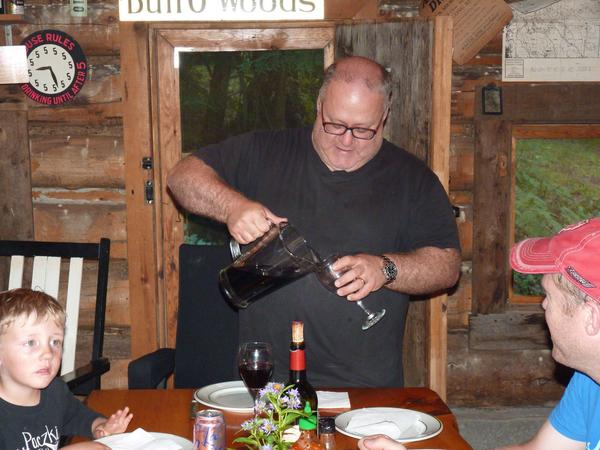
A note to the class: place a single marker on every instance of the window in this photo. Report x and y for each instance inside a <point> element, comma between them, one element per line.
<point>556,182</point>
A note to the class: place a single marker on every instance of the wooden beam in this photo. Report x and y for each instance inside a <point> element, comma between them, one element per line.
<point>439,162</point>
<point>137,140</point>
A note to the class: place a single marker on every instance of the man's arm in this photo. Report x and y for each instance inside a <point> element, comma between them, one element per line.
<point>547,438</point>
<point>423,271</point>
<point>200,190</point>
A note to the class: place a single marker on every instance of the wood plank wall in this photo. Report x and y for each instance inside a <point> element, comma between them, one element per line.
<point>77,171</point>
<point>77,161</point>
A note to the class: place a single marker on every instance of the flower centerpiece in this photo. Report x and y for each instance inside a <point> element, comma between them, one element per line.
<point>277,409</point>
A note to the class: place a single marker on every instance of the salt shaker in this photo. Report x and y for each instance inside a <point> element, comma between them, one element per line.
<point>327,432</point>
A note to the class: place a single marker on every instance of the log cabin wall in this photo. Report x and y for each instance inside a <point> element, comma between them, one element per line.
<point>77,185</point>
<point>76,163</point>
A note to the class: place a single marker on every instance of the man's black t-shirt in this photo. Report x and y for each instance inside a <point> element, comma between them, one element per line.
<point>40,427</point>
<point>394,203</point>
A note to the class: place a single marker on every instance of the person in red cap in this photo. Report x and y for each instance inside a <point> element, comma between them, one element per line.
<point>570,262</point>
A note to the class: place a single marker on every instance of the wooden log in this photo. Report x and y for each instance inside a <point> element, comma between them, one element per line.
<point>509,331</point>
<point>42,13</point>
<point>116,377</point>
<point>545,103</point>
<point>81,223</point>
<point>105,114</point>
<point>77,162</point>
<point>116,343</point>
<point>117,303</point>
<point>501,377</point>
<point>94,39</point>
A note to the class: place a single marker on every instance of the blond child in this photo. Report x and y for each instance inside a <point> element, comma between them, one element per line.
<point>36,407</point>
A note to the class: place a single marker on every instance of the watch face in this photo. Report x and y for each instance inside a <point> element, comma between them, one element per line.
<point>56,65</point>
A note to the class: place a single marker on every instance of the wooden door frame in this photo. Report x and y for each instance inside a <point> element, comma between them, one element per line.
<point>168,42</point>
<point>152,129</point>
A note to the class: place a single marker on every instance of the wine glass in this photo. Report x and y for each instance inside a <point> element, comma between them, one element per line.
<point>327,276</point>
<point>255,363</point>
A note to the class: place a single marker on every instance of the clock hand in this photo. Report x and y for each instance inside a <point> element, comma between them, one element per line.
<point>51,73</point>
<point>53,76</point>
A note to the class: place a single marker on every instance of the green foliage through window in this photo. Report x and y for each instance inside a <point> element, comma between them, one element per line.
<point>557,184</point>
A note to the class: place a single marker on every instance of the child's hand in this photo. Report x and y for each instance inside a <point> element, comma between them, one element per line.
<point>116,423</point>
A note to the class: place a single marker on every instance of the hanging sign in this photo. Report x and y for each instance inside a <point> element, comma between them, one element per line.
<point>220,10</point>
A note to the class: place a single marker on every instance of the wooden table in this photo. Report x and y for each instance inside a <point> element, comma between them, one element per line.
<point>168,411</point>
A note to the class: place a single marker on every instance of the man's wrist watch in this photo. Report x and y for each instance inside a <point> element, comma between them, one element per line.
<point>390,271</point>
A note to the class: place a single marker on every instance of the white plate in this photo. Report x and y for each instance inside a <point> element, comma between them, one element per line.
<point>183,443</point>
<point>228,396</point>
<point>428,426</point>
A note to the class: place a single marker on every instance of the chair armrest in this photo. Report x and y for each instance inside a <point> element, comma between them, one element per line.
<point>151,370</point>
<point>82,375</point>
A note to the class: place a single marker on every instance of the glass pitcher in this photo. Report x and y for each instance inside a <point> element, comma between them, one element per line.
<point>277,258</point>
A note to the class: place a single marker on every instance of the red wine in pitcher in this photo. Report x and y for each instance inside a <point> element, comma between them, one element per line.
<point>245,285</point>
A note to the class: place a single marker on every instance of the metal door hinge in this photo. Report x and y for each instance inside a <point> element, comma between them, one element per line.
<point>147,163</point>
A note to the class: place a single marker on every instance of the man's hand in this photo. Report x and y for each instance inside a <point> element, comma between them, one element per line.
<point>249,220</point>
<point>379,442</point>
<point>116,423</point>
<point>362,275</point>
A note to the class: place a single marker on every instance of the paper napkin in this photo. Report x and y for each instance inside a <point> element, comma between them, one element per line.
<point>333,400</point>
<point>139,440</point>
<point>394,424</point>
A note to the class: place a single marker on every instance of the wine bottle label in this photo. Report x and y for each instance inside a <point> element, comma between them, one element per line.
<point>297,360</point>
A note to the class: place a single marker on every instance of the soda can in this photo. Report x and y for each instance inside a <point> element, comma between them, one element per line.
<point>209,430</point>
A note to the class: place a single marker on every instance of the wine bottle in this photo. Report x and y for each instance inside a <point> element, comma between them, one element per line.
<point>298,377</point>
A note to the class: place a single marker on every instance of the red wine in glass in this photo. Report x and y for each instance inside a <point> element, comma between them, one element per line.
<point>256,376</point>
<point>255,363</point>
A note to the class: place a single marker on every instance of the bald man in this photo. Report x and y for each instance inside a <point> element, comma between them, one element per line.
<point>349,192</point>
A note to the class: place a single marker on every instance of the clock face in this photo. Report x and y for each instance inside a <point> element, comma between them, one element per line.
<point>51,69</point>
<point>56,65</point>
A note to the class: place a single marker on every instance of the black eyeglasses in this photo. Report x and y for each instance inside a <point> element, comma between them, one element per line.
<point>358,132</point>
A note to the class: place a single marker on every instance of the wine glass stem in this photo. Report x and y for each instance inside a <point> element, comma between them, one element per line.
<point>364,308</point>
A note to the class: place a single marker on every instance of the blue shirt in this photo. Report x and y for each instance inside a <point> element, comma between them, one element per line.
<point>577,415</point>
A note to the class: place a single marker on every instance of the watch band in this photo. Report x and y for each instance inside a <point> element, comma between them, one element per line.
<point>390,271</point>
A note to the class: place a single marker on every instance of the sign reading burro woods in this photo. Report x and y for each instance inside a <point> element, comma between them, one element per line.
<point>220,10</point>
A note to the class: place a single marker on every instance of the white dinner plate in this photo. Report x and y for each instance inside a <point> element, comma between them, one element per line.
<point>425,426</point>
<point>182,442</point>
<point>228,396</point>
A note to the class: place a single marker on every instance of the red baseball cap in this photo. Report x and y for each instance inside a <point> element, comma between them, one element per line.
<point>574,252</point>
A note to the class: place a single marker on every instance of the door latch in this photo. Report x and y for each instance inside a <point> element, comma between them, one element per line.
<point>149,191</point>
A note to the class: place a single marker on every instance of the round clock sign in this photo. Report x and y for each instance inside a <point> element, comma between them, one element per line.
<point>56,65</point>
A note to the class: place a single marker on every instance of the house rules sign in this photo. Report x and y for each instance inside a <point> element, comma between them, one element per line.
<point>220,10</point>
